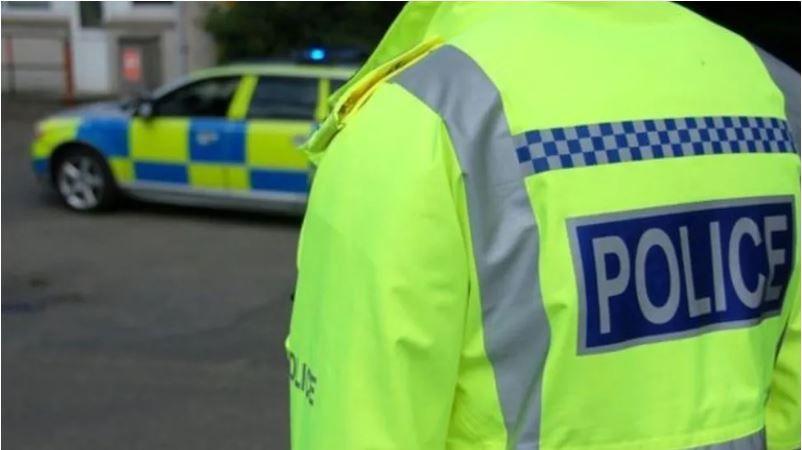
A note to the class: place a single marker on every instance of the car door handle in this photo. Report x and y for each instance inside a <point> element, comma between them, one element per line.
<point>206,137</point>
<point>299,139</point>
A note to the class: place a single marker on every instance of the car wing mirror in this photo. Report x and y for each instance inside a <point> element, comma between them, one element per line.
<point>145,109</point>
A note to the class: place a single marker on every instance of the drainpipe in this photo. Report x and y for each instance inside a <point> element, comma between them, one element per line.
<point>183,45</point>
<point>69,86</point>
<point>9,62</point>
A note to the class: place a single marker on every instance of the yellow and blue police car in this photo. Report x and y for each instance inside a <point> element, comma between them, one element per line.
<point>222,137</point>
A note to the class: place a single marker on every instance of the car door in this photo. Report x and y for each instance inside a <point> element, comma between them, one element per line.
<point>188,140</point>
<point>280,116</point>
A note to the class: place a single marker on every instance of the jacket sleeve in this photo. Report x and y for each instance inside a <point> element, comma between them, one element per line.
<point>782,408</point>
<point>380,305</point>
<point>787,81</point>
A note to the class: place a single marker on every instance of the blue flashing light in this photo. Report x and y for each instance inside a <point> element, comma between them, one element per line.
<point>317,54</point>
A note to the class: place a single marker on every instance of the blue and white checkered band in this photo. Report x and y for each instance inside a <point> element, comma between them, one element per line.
<point>539,151</point>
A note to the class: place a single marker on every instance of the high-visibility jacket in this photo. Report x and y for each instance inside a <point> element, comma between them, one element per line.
<point>552,226</point>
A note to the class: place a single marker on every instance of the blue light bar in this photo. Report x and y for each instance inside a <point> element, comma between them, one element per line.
<point>317,54</point>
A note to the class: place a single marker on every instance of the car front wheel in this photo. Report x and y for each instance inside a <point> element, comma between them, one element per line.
<point>84,182</point>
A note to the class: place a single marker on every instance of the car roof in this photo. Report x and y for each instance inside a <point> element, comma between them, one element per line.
<point>290,70</point>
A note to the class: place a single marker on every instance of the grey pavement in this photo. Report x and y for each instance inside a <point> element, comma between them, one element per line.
<point>149,327</point>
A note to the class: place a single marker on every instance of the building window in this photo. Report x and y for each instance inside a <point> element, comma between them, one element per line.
<point>91,14</point>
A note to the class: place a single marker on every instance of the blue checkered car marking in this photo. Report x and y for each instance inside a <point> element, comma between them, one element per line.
<point>588,145</point>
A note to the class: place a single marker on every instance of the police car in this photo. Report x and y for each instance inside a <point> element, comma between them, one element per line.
<point>222,137</point>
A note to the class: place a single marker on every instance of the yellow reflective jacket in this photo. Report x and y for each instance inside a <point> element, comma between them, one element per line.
<point>552,226</point>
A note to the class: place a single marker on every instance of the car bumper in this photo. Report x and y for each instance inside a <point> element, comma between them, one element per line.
<point>41,170</point>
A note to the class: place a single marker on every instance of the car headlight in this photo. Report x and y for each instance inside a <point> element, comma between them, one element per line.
<point>39,130</point>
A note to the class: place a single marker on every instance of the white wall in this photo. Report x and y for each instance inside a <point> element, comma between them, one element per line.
<point>126,10</point>
<point>94,50</point>
<point>34,37</point>
<point>92,63</point>
<point>171,56</point>
<point>201,51</point>
<point>89,48</point>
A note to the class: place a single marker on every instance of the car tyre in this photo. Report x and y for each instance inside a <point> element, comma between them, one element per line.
<point>84,182</point>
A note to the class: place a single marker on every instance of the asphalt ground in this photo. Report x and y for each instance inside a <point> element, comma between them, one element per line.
<point>150,327</point>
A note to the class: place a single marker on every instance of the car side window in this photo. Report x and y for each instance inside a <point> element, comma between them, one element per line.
<point>284,98</point>
<point>337,84</point>
<point>205,98</point>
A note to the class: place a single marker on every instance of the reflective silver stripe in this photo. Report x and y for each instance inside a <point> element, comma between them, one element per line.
<point>787,79</point>
<point>503,230</point>
<point>755,441</point>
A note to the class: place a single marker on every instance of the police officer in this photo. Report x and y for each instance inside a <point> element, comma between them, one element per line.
<point>548,226</point>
